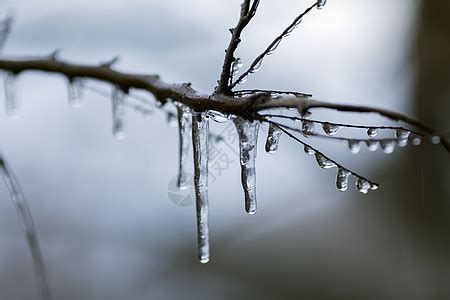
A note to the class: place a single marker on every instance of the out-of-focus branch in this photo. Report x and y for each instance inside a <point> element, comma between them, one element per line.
<point>26,222</point>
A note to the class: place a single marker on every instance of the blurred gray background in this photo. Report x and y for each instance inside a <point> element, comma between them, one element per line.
<point>105,222</point>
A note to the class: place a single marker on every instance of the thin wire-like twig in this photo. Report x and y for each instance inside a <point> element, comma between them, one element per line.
<point>286,131</point>
<point>26,222</point>
<point>256,64</point>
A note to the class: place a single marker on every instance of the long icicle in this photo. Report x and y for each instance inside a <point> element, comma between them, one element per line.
<point>26,222</point>
<point>184,131</point>
<point>200,136</point>
<point>248,137</point>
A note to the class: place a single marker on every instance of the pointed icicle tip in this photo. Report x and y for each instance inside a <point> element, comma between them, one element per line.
<point>248,138</point>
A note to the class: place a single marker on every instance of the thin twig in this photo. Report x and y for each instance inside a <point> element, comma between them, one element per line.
<point>26,222</point>
<point>271,48</point>
<point>246,15</point>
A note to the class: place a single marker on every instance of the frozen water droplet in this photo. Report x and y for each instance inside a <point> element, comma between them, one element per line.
<point>273,138</point>
<point>184,135</point>
<point>330,129</point>
<point>363,185</point>
<point>354,146</point>
<point>402,143</point>
<point>307,128</point>
<point>374,187</point>
<point>309,150</point>
<point>118,114</point>
<point>342,179</point>
<point>435,139</point>
<point>75,92</point>
<point>321,3</point>
<point>417,141</point>
<point>372,132</point>
<point>171,119</point>
<point>372,145</point>
<point>218,116</point>
<point>200,141</point>
<point>248,137</point>
<point>236,66</point>
<point>324,162</point>
<point>402,133</point>
<point>388,146</point>
<point>11,103</point>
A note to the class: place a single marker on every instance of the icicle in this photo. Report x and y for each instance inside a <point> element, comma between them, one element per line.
<point>402,143</point>
<point>273,138</point>
<point>330,129</point>
<point>184,135</point>
<point>309,150</point>
<point>372,145</point>
<point>118,113</point>
<point>75,92</point>
<point>402,133</point>
<point>171,119</point>
<point>307,128</point>
<point>321,3</point>
<point>388,146</point>
<point>372,132</point>
<point>11,104</point>
<point>363,185</point>
<point>248,137</point>
<point>236,66</point>
<point>342,179</point>
<point>324,162</point>
<point>354,146</point>
<point>200,141</point>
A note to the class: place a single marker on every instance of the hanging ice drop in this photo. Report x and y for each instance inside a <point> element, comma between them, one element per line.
<point>330,129</point>
<point>324,162</point>
<point>75,92</point>
<point>307,128</point>
<point>184,136</point>
<point>118,113</point>
<point>248,137</point>
<point>342,179</point>
<point>11,104</point>
<point>363,185</point>
<point>388,146</point>
<point>308,150</point>
<point>402,133</point>
<point>354,146</point>
<point>372,145</point>
<point>200,141</point>
<point>273,138</point>
<point>321,3</point>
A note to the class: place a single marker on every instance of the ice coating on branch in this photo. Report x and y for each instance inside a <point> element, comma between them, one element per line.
<point>75,92</point>
<point>342,179</point>
<point>330,129</point>
<point>200,141</point>
<point>248,137</point>
<point>372,145</point>
<point>372,132</point>
<point>402,133</point>
<point>388,146</point>
<point>324,162</point>
<point>321,3</point>
<point>118,113</point>
<point>354,146</point>
<point>273,138</point>
<point>218,117</point>
<point>11,104</point>
<point>184,136</point>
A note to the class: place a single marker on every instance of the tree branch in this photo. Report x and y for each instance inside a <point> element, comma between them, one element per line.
<point>247,14</point>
